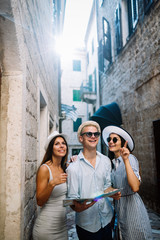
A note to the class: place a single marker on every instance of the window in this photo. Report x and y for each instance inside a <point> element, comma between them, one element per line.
<point>100,56</point>
<point>132,15</point>
<point>95,80</point>
<point>51,124</point>
<point>118,26</point>
<point>77,124</point>
<point>101,3</point>
<point>147,4</point>
<point>90,83</point>
<point>134,12</point>
<point>87,58</point>
<point>77,65</point>
<point>76,95</point>
<point>106,40</point>
<point>92,46</point>
<point>75,151</point>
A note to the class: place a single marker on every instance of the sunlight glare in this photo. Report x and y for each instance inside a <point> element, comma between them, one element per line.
<point>74,27</point>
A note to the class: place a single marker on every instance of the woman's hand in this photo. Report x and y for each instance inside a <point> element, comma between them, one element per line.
<point>133,181</point>
<point>115,196</point>
<point>58,179</point>
<point>44,186</point>
<point>124,151</point>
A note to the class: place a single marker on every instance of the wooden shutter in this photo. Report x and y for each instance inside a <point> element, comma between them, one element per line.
<point>77,124</point>
<point>132,15</point>
<point>118,26</point>
<point>100,57</point>
<point>106,40</point>
<point>147,4</point>
<point>134,12</point>
<point>90,83</point>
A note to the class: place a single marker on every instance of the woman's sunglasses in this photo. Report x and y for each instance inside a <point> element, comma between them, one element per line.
<point>89,134</point>
<point>113,139</point>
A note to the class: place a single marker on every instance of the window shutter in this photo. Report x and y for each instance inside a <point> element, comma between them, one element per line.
<point>95,81</point>
<point>87,58</point>
<point>77,65</point>
<point>118,29</point>
<point>90,83</point>
<point>106,40</point>
<point>147,4</point>
<point>132,15</point>
<point>100,56</point>
<point>76,124</point>
<point>92,46</point>
<point>76,95</point>
<point>134,12</point>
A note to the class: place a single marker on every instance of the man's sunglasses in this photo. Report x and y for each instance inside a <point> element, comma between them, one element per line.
<point>90,134</point>
<point>113,139</point>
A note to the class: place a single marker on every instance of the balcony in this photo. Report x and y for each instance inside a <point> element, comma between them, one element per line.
<point>88,93</point>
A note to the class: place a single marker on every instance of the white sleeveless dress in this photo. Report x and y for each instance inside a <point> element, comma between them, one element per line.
<point>51,221</point>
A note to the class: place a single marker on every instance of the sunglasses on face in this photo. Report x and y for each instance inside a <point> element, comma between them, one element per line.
<point>113,139</point>
<point>90,134</point>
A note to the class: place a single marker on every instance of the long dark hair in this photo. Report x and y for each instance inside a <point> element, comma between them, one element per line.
<point>49,152</point>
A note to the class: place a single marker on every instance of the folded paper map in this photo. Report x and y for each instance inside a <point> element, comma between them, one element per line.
<point>69,201</point>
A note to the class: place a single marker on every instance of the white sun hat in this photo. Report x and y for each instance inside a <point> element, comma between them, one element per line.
<point>119,131</point>
<point>53,135</point>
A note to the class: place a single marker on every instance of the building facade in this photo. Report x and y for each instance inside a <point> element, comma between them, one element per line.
<point>128,35</point>
<point>30,105</point>
<point>90,87</point>
<point>75,110</point>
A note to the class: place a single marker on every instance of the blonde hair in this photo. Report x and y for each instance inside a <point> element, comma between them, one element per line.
<point>86,124</point>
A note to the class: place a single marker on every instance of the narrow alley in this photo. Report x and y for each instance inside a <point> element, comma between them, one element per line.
<point>153,216</point>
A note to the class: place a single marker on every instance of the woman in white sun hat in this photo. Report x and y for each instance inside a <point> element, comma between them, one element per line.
<point>51,189</point>
<point>132,215</point>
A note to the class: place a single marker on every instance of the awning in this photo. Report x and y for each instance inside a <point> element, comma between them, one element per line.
<point>108,115</point>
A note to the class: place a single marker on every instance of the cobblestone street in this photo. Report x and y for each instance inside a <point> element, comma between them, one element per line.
<point>154,219</point>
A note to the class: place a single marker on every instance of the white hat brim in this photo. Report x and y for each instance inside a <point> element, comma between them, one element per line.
<point>53,135</point>
<point>119,131</point>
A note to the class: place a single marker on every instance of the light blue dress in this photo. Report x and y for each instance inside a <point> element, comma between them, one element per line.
<point>131,213</point>
<point>51,221</point>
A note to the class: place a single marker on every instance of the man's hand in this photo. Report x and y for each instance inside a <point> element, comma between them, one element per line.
<point>79,207</point>
<point>72,159</point>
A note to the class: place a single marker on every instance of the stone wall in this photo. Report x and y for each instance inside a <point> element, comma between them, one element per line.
<point>30,73</point>
<point>133,81</point>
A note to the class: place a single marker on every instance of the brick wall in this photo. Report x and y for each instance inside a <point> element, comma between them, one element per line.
<point>133,81</point>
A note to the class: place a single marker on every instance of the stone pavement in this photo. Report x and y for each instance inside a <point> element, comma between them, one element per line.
<point>154,219</point>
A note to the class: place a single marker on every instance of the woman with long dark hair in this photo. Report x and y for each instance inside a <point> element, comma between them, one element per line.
<point>132,215</point>
<point>51,189</point>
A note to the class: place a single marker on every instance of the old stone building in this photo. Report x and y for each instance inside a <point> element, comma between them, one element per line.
<point>30,105</point>
<point>129,32</point>
<point>125,36</point>
<point>73,74</point>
